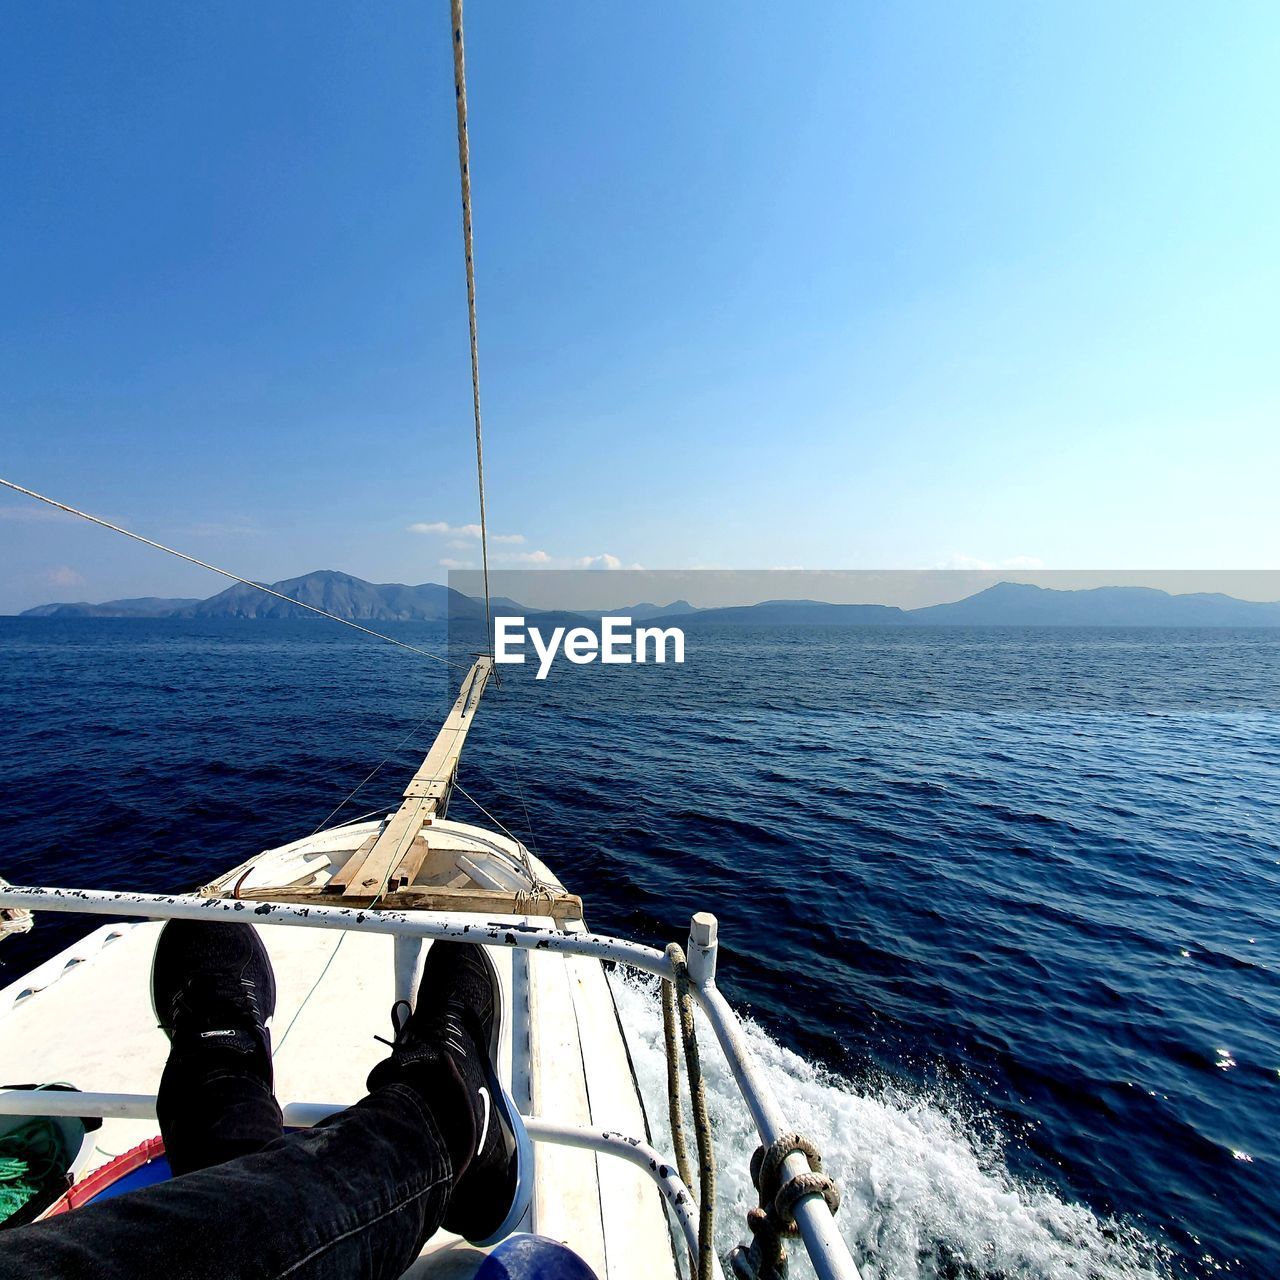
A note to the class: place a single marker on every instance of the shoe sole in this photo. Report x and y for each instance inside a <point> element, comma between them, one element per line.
<point>506,1113</point>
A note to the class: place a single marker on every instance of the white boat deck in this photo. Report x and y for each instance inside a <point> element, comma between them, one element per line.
<point>86,1018</point>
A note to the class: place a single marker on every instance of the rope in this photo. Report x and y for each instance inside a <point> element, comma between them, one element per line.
<point>774,1220</point>
<point>701,1117</point>
<point>375,770</point>
<point>464,168</point>
<point>534,879</point>
<point>333,955</point>
<point>30,1154</point>
<point>515,777</point>
<point>670,1029</point>
<point>226,573</point>
<point>306,1000</point>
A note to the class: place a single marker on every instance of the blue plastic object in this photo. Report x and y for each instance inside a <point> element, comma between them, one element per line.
<point>525,1257</point>
<point>145,1175</point>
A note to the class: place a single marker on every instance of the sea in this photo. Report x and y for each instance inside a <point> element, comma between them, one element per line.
<point>1000,904</point>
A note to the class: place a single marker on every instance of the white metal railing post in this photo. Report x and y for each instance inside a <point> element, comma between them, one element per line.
<point>703,948</point>
<point>408,959</point>
<point>827,1250</point>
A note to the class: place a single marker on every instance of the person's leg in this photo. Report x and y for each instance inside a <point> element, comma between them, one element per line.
<point>357,1196</point>
<point>354,1197</point>
<point>214,995</point>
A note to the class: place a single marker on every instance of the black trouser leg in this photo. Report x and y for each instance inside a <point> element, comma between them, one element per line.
<point>208,1116</point>
<point>357,1196</point>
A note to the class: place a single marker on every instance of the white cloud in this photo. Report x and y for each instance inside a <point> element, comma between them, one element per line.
<point>536,559</point>
<point>958,560</point>
<point>441,528</point>
<point>504,559</point>
<point>603,561</point>
<point>64,576</point>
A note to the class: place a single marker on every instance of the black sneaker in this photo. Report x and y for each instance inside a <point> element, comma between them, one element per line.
<point>457,1016</point>
<point>214,992</point>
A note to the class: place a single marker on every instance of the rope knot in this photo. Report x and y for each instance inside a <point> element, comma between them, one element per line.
<point>774,1220</point>
<point>766,1259</point>
<point>766,1174</point>
<point>794,1190</point>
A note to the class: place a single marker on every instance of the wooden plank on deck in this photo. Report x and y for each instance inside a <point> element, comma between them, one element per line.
<point>427,792</point>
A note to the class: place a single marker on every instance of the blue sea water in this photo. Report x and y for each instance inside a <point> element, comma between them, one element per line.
<point>1003,902</point>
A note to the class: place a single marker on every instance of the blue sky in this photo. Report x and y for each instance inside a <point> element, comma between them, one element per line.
<point>875,285</point>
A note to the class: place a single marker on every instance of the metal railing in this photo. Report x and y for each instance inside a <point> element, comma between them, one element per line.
<point>302,1115</point>
<point>827,1250</point>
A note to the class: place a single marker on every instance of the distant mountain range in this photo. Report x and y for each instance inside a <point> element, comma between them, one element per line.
<point>1023,605</point>
<point>337,593</point>
<point>1008,604</point>
<point>143,607</point>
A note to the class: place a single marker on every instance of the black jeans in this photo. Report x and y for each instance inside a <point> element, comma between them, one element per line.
<point>357,1196</point>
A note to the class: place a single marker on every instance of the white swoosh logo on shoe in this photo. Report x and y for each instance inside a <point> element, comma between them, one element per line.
<point>484,1128</point>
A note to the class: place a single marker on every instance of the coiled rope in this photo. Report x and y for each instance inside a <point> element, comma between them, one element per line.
<point>31,1153</point>
<point>774,1221</point>
<point>675,997</point>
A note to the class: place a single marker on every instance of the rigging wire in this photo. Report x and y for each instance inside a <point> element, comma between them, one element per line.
<point>464,173</point>
<point>534,878</point>
<point>277,1045</point>
<point>460,94</point>
<point>226,573</point>
<point>506,831</point>
<point>377,768</point>
<point>524,804</point>
<point>464,168</point>
<point>333,955</point>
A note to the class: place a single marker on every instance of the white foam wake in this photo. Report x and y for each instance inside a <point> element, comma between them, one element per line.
<point>924,1195</point>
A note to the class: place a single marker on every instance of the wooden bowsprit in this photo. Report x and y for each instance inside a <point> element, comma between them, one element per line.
<point>391,859</point>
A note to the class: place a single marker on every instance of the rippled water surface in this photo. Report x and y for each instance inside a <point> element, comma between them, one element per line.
<point>1002,904</point>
